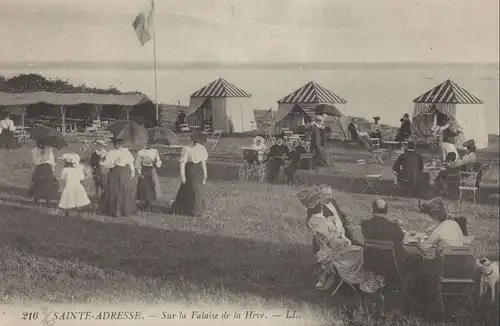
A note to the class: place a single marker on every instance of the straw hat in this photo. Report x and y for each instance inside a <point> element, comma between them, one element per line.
<point>315,195</point>
<point>319,118</point>
<point>257,139</point>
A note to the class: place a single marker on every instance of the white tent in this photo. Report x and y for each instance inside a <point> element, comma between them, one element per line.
<point>464,108</point>
<point>227,106</point>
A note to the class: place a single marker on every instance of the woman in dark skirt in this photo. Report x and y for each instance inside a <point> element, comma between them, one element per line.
<point>148,184</point>
<point>7,133</point>
<point>44,185</point>
<point>118,197</point>
<point>98,156</point>
<point>193,165</point>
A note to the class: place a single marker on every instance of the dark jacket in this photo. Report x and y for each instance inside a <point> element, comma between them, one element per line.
<point>381,228</point>
<point>409,167</point>
<point>353,131</point>
<point>296,153</point>
<point>318,138</point>
<point>405,129</point>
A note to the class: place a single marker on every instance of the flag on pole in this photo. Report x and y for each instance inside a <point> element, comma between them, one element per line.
<point>143,24</point>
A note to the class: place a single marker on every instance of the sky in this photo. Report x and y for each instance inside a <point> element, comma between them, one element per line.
<point>253,31</point>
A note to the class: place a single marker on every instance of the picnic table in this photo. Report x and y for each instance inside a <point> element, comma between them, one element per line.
<point>413,239</point>
<point>434,171</point>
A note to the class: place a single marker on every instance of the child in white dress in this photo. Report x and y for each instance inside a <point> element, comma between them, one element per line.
<point>73,195</point>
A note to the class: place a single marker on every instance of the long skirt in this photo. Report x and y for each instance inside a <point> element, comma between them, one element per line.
<point>8,140</point>
<point>273,169</point>
<point>44,184</point>
<point>148,186</point>
<point>189,199</point>
<point>118,197</point>
<point>321,158</point>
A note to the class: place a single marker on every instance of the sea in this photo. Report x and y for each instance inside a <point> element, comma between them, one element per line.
<point>383,89</point>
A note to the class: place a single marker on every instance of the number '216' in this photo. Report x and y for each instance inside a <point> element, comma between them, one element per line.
<point>30,316</point>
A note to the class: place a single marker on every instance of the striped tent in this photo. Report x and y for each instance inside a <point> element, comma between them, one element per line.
<point>308,97</point>
<point>227,106</point>
<point>465,110</point>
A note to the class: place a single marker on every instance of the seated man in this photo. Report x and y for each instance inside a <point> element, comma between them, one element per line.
<point>404,131</point>
<point>295,159</point>
<point>409,171</point>
<point>360,137</point>
<point>276,155</point>
<point>379,227</point>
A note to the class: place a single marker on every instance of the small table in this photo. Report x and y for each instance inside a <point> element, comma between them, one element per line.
<point>391,144</point>
<point>434,172</point>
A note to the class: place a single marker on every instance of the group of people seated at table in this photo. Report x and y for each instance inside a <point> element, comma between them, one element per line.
<point>410,174</point>
<point>279,155</point>
<point>339,249</point>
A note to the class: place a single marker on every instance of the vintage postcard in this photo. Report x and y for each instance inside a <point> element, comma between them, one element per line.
<point>267,162</point>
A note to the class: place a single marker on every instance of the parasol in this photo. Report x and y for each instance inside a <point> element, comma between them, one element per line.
<point>49,136</point>
<point>328,109</point>
<point>131,132</point>
<point>163,136</point>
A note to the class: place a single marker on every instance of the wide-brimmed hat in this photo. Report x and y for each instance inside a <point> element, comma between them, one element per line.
<point>198,137</point>
<point>257,139</point>
<point>469,143</point>
<point>312,196</point>
<point>319,118</point>
<point>70,158</point>
<point>376,118</point>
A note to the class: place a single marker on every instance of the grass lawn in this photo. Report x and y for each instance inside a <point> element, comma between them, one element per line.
<point>251,249</point>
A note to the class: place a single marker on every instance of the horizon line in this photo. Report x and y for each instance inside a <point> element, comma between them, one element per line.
<point>64,64</point>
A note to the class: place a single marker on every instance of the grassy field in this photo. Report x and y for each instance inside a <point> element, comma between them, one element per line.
<point>251,249</point>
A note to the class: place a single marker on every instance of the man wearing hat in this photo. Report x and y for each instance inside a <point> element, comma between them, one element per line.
<point>409,169</point>
<point>318,142</point>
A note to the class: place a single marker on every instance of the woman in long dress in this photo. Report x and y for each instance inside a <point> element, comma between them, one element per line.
<point>148,184</point>
<point>193,168</point>
<point>7,133</point>
<point>336,255</point>
<point>118,198</point>
<point>44,185</point>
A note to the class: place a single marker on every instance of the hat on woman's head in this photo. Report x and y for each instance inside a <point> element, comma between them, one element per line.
<point>319,118</point>
<point>376,118</point>
<point>198,137</point>
<point>310,197</point>
<point>469,143</point>
<point>435,208</point>
<point>70,158</point>
<point>258,139</point>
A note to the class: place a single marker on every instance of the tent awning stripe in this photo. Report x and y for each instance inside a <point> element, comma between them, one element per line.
<point>448,92</point>
<point>220,88</point>
<point>312,93</point>
<point>27,98</point>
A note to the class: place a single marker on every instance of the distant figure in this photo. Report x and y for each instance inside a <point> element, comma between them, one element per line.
<point>98,156</point>
<point>353,129</point>
<point>193,168</point>
<point>7,133</point>
<point>404,131</point>
<point>376,131</point>
<point>470,154</point>
<point>118,198</point>
<point>409,171</point>
<point>259,144</point>
<point>148,184</point>
<point>278,154</point>
<point>318,142</point>
<point>73,196</point>
<point>44,185</point>
<point>181,119</point>
<point>361,137</point>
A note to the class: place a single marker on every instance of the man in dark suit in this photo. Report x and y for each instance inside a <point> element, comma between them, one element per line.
<point>409,170</point>
<point>381,228</point>
<point>404,131</point>
<point>353,130</point>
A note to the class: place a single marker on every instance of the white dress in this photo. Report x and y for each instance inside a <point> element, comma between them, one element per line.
<point>73,194</point>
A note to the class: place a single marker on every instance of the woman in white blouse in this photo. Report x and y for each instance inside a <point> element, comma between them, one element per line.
<point>193,166</point>
<point>118,197</point>
<point>148,184</point>
<point>44,185</point>
<point>7,135</point>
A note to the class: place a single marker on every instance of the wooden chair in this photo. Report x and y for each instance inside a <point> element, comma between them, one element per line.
<point>214,139</point>
<point>457,275</point>
<point>380,258</point>
<point>377,152</point>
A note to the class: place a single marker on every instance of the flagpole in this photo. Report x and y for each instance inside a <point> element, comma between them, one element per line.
<point>155,63</point>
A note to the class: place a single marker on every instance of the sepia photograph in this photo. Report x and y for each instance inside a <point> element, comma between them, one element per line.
<point>266,162</point>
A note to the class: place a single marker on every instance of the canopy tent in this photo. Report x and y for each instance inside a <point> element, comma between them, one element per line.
<point>295,118</point>
<point>465,111</point>
<point>264,120</point>
<point>18,101</point>
<point>229,107</point>
<point>308,97</point>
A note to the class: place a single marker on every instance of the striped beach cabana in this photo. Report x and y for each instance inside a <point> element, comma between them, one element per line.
<point>465,109</point>
<point>224,104</point>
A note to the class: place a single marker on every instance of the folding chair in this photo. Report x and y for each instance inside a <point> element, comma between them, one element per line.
<point>185,128</point>
<point>370,180</point>
<point>458,267</point>
<point>469,182</point>
<point>252,165</point>
<point>377,152</point>
<point>214,139</point>
<point>380,258</point>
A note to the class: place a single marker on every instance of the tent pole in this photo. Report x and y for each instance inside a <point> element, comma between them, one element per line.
<point>63,119</point>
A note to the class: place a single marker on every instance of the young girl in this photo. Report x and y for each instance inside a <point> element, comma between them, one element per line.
<point>73,195</point>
